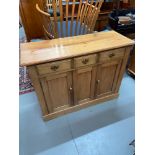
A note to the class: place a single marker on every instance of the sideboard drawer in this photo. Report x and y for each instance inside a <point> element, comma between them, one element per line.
<point>112,54</point>
<point>54,67</point>
<point>85,60</point>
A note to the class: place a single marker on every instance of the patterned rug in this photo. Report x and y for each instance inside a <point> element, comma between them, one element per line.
<point>25,84</point>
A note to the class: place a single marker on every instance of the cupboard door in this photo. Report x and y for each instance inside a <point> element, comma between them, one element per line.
<point>107,75</point>
<point>84,82</point>
<point>58,91</point>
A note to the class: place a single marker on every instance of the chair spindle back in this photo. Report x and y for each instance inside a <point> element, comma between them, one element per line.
<point>65,18</point>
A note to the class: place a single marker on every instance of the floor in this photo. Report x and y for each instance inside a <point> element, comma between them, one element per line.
<point>104,129</point>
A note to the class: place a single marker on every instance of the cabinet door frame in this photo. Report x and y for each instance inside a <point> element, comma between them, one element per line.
<point>117,62</point>
<point>45,86</point>
<point>91,69</point>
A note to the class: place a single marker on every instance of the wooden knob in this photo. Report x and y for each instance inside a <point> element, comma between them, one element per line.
<point>85,61</point>
<point>111,55</point>
<point>54,67</point>
<point>98,81</point>
<point>71,90</point>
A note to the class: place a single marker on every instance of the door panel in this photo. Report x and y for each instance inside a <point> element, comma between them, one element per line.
<point>57,89</point>
<point>107,75</point>
<point>84,81</point>
<point>55,86</point>
<point>107,78</point>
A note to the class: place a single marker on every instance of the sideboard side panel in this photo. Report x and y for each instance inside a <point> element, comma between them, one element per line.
<point>123,67</point>
<point>34,78</point>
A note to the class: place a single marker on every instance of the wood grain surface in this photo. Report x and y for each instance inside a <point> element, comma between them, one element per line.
<point>62,48</point>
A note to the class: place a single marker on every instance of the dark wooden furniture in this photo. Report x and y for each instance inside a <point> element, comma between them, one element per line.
<point>72,73</point>
<point>118,23</point>
<point>106,8</point>
<point>102,20</point>
<point>30,19</point>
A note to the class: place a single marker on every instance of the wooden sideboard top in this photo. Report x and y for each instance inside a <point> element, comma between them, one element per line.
<point>62,48</point>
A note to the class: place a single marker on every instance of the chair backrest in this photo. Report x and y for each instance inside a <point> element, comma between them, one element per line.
<point>48,4</point>
<point>63,18</point>
<point>46,23</point>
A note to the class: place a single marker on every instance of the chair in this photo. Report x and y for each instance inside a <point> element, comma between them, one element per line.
<point>68,18</point>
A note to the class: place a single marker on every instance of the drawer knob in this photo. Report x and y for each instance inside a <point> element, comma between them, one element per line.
<point>54,67</point>
<point>85,61</point>
<point>111,55</point>
<point>98,81</point>
<point>70,88</point>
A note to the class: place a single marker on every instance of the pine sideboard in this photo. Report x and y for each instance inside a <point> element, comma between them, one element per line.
<point>72,73</point>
